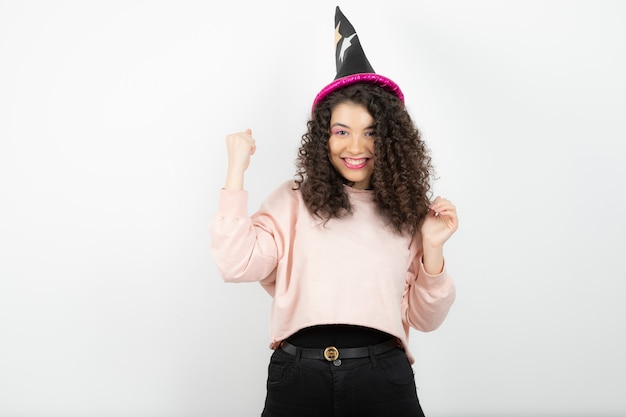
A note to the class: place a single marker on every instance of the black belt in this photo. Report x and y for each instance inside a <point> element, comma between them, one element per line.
<point>332,353</point>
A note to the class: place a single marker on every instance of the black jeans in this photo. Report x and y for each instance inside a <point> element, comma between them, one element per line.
<point>378,386</point>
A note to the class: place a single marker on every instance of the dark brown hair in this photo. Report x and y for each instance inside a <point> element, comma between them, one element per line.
<point>402,171</point>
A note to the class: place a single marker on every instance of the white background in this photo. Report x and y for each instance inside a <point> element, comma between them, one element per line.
<point>112,123</point>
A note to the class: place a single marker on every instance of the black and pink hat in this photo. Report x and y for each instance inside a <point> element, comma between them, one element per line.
<point>352,65</point>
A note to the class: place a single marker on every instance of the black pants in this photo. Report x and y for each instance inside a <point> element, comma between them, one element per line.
<point>378,386</point>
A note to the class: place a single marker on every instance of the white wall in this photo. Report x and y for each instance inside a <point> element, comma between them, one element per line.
<point>112,120</point>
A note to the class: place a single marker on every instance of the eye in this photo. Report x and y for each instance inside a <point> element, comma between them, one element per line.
<point>339,132</point>
<point>370,133</point>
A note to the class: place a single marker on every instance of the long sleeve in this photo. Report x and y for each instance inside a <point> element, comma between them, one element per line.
<point>243,250</point>
<point>427,298</point>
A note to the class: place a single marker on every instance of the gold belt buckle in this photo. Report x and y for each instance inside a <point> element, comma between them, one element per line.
<point>331,353</point>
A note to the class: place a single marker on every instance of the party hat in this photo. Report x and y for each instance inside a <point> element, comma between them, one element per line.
<point>352,65</point>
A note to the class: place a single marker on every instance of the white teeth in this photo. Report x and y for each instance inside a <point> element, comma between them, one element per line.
<point>355,161</point>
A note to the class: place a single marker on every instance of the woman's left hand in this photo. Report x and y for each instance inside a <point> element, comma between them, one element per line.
<point>440,223</point>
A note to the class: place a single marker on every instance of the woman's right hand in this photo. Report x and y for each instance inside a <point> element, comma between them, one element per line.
<point>240,146</point>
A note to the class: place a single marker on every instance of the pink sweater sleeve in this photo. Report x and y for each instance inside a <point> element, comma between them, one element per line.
<point>427,298</point>
<point>243,250</point>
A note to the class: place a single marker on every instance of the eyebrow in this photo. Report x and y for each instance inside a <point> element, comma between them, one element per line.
<point>348,127</point>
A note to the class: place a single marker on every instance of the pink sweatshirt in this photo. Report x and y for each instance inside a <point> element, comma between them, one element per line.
<point>352,270</point>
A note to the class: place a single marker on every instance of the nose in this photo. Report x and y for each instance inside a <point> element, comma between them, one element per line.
<point>355,146</point>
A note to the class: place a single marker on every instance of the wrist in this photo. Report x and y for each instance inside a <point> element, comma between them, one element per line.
<point>432,259</point>
<point>234,180</point>
<point>432,245</point>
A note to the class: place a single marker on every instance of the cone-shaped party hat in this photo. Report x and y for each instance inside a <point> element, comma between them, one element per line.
<point>352,65</point>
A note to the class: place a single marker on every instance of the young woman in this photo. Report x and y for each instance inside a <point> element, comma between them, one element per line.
<point>351,251</point>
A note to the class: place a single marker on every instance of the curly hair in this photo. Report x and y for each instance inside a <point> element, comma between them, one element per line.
<point>402,170</point>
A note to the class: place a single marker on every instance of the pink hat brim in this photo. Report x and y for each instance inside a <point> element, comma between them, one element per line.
<point>370,78</point>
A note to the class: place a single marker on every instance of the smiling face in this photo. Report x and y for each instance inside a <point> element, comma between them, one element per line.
<point>351,143</point>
